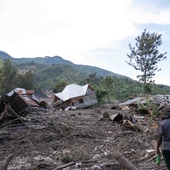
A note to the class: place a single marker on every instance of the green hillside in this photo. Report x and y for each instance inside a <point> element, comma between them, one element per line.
<point>49,71</point>
<point>50,61</point>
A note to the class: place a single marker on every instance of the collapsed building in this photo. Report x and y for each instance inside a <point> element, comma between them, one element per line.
<point>18,101</point>
<point>75,96</point>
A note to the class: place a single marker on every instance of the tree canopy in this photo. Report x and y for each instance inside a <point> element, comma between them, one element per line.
<point>145,56</point>
<point>10,78</point>
<point>7,76</point>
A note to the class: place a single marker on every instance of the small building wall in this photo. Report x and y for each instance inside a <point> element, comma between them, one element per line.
<point>84,101</point>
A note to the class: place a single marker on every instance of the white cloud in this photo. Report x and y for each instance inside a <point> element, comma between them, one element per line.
<point>162,17</point>
<point>82,31</point>
<point>147,12</point>
<point>92,23</point>
<point>73,26</point>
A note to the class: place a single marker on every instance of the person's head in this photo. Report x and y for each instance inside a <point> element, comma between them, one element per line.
<point>165,112</point>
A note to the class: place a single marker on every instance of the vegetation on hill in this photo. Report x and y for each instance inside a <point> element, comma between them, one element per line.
<point>56,60</point>
<point>50,75</point>
<point>54,77</point>
<point>4,55</point>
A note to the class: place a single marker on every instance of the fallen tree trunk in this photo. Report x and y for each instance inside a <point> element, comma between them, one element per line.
<point>6,162</point>
<point>123,161</point>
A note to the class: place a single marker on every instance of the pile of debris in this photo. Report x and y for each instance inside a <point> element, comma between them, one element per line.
<point>133,111</point>
<point>121,136</point>
<point>18,103</point>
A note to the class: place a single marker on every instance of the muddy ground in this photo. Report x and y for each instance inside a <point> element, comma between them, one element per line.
<point>49,140</point>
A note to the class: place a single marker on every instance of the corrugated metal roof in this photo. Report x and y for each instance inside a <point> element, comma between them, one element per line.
<point>135,100</point>
<point>19,90</point>
<point>161,98</point>
<point>16,90</point>
<point>72,91</point>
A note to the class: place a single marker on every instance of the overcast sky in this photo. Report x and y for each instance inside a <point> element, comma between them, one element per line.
<point>88,32</point>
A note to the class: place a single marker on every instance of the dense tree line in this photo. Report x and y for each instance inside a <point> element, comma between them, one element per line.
<point>122,88</point>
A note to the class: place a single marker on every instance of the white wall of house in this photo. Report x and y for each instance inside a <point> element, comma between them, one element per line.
<point>85,101</point>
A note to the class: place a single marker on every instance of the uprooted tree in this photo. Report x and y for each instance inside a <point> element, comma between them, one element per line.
<point>145,56</point>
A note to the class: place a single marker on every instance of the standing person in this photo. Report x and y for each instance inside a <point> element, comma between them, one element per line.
<point>164,135</point>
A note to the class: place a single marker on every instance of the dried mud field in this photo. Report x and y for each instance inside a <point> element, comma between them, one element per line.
<point>75,140</point>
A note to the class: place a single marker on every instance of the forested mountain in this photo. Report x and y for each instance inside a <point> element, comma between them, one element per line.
<point>4,55</point>
<point>56,60</point>
<point>53,73</point>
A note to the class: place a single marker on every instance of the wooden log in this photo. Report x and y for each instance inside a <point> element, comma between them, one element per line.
<point>104,116</point>
<point>129,124</point>
<point>64,166</point>
<point>123,161</point>
<point>6,162</point>
<point>141,127</point>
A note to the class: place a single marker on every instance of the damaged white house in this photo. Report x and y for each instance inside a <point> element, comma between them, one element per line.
<point>75,95</point>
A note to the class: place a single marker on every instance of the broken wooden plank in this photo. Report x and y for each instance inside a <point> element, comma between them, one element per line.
<point>116,117</point>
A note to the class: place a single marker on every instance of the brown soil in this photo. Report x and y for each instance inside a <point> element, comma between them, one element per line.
<point>55,138</point>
